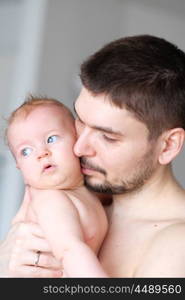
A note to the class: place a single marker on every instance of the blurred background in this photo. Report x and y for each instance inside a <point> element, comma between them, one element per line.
<point>42,44</point>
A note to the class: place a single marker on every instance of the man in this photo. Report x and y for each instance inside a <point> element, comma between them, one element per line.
<point>130,124</point>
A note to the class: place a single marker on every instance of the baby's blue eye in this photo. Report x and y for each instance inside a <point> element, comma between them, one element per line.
<point>52,139</point>
<point>26,151</point>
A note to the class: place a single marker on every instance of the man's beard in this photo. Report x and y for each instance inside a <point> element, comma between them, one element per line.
<point>135,181</point>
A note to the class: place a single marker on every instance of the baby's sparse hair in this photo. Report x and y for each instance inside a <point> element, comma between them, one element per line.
<point>31,103</point>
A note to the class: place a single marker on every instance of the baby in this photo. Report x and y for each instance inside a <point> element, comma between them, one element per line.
<point>41,135</point>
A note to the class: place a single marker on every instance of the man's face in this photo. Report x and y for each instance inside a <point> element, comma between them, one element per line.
<point>116,156</point>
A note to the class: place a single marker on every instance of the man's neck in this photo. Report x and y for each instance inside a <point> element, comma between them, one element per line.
<point>159,196</point>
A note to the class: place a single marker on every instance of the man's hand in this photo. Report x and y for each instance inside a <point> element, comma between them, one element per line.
<point>18,252</point>
<point>21,246</point>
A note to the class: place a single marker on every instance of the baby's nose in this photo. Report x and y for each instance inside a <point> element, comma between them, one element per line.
<point>44,153</point>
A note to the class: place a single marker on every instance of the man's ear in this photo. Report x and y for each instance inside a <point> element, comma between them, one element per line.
<point>171,144</point>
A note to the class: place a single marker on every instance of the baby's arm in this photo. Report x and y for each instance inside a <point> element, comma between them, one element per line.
<point>60,221</point>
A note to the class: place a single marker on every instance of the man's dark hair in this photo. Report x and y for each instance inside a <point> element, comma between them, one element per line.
<point>144,74</point>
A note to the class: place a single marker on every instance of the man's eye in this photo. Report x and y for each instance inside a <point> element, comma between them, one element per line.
<point>26,151</point>
<point>52,139</point>
<point>109,139</point>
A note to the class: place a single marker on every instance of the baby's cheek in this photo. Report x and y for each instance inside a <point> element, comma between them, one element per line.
<point>28,176</point>
<point>27,180</point>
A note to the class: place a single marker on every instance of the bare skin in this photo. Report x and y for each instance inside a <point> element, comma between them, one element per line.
<point>146,225</point>
<point>18,250</point>
<point>147,222</point>
<point>143,247</point>
<point>72,218</point>
<point>149,242</point>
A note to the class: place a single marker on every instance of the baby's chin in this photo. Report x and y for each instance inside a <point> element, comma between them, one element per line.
<point>59,185</point>
<point>52,187</point>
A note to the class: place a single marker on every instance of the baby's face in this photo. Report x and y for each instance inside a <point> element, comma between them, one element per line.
<point>42,144</point>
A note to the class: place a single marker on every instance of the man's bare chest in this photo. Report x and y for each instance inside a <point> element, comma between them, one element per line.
<point>124,248</point>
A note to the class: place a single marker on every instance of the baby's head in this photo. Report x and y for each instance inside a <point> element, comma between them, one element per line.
<point>41,135</point>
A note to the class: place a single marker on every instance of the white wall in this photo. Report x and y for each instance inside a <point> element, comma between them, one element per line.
<point>42,45</point>
<point>165,18</point>
<point>10,22</point>
<point>21,25</point>
<point>73,30</point>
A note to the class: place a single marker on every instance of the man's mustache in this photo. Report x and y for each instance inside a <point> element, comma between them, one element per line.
<point>86,164</point>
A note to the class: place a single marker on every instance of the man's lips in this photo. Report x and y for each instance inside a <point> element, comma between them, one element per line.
<point>87,170</point>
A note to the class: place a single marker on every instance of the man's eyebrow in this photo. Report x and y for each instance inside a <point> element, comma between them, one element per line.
<point>107,130</point>
<point>100,128</point>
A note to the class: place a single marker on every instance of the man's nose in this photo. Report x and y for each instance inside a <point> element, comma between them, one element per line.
<point>84,145</point>
<point>44,153</point>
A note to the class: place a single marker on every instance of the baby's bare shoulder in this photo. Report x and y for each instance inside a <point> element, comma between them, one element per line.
<point>91,212</point>
<point>83,198</point>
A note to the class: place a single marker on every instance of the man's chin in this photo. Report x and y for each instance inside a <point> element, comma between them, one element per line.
<point>105,187</point>
<point>93,185</point>
<point>97,186</point>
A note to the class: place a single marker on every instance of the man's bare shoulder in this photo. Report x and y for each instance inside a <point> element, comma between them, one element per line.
<point>172,235</point>
<point>165,254</point>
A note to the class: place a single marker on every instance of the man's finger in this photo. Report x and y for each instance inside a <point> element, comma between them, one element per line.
<point>37,272</point>
<point>46,260</point>
<point>29,229</point>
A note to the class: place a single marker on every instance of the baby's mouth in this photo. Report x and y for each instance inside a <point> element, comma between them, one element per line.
<point>48,168</point>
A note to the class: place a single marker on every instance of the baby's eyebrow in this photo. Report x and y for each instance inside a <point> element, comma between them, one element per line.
<point>25,143</point>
